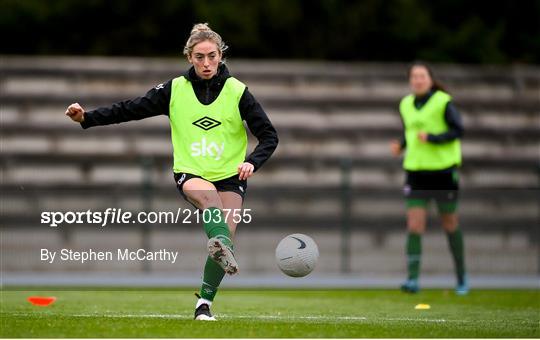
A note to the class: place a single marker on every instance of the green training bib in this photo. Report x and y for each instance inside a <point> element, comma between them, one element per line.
<point>429,118</point>
<point>208,140</point>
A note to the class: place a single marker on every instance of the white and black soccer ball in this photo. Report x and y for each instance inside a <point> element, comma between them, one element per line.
<point>297,255</point>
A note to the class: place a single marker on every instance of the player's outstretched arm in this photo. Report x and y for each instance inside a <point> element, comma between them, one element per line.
<point>155,102</point>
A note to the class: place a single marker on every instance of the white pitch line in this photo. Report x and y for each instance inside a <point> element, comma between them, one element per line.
<point>260,317</point>
<point>282,317</point>
<point>150,316</point>
<point>332,318</point>
<point>232,316</point>
<point>428,320</point>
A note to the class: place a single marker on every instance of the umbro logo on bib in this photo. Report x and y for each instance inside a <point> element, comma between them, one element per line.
<point>206,123</point>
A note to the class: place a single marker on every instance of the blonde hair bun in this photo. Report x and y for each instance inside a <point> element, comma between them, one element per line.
<point>202,32</point>
<point>200,28</point>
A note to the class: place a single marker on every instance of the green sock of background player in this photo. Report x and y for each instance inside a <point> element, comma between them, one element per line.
<point>414,253</point>
<point>213,273</point>
<point>455,242</point>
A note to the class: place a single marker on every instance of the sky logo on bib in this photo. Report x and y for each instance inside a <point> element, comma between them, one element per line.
<point>206,123</point>
<point>205,148</point>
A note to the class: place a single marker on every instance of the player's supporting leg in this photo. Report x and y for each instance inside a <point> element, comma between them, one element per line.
<point>454,235</point>
<point>416,225</point>
<point>204,195</point>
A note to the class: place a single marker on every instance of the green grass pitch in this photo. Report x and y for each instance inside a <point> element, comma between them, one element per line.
<point>272,313</point>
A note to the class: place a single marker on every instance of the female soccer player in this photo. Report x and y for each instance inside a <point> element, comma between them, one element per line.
<point>206,109</point>
<point>432,131</point>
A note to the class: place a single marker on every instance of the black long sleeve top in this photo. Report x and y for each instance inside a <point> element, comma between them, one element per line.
<point>156,102</point>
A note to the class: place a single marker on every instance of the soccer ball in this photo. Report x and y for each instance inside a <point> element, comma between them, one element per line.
<point>296,255</point>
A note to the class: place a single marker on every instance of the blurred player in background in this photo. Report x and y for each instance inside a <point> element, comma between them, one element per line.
<point>432,132</point>
<point>206,109</point>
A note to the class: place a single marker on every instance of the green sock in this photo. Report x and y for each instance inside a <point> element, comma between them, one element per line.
<point>455,241</point>
<point>216,226</point>
<point>213,273</point>
<point>414,253</point>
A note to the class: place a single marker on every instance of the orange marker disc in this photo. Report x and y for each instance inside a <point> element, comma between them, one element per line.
<point>41,300</point>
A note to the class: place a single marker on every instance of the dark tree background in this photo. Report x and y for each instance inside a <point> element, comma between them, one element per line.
<point>394,30</point>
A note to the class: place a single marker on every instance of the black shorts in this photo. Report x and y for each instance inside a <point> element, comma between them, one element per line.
<point>230,184</point>
<point>442,186</point>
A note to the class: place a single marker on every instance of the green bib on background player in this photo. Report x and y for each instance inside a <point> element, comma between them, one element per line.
<point>208,140</point>
<point>429,118</point>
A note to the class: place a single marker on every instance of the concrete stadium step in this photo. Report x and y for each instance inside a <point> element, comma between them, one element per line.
<point>277,101</point>
<point>362,143</point>
<point>287,167</point>
<point>52,119</point>
<point>383,224</point>
<point>115,66</point>
<point>165,68</point>
<point>42,156</point>
<point>373,176</point>
<point>154,133</point>
<point>91,78</point>
<point>23,138</point>
<point>276,207</point>
<point>54,85</point>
